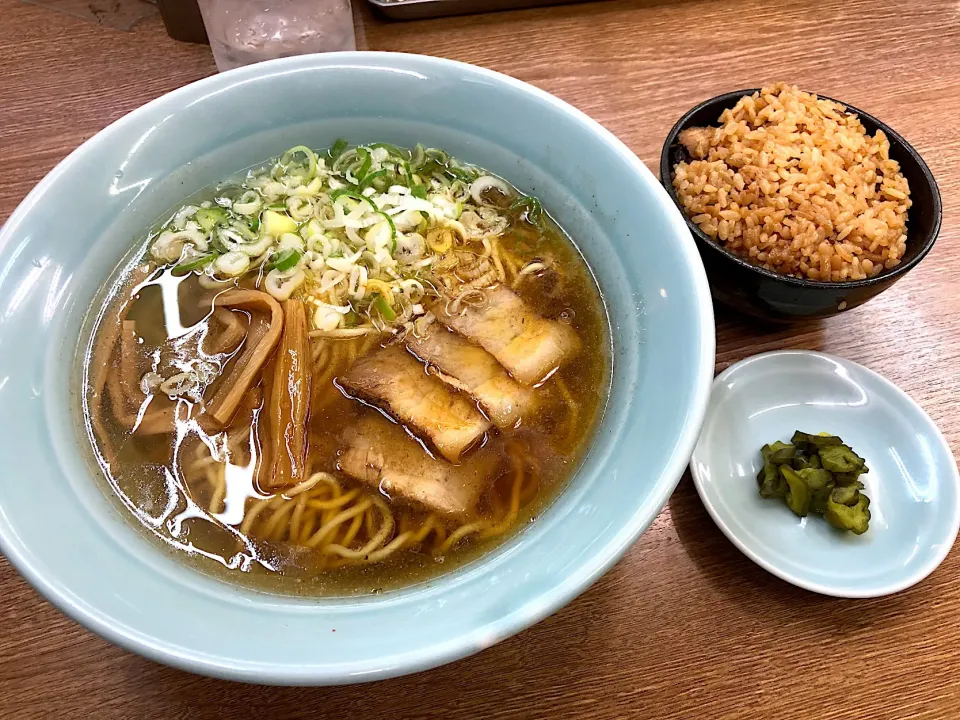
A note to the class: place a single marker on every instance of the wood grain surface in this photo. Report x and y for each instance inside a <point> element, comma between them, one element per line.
<point>684,626</point>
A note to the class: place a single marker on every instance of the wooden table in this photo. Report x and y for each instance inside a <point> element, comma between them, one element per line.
<point>684,626</point>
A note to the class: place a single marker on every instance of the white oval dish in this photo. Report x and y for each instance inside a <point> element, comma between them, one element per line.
<point>912,484</point>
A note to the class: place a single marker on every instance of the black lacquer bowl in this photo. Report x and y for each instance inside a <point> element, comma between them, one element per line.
<point>774,297</point>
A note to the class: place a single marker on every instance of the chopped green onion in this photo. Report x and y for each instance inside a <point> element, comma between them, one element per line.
<point>337,149</point>
<point>365,166</point>
<point>195,264</point>
<point>438,156</point>
<point>354,195</point>
<point>530,207</point>
<point>300,161</point>
<point>372,177</point>
<point>463,174</point>
<point>386,312</point>
<point>418,157</point>
<point>416,189</point>
<point>392,149</point>
<point>393,231</point>
<point>216,244</point>
<point>343,163</point>
<point>285,260</point>
<point>209,218</point>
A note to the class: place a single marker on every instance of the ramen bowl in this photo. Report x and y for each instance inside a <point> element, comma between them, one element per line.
<point>71,541</point>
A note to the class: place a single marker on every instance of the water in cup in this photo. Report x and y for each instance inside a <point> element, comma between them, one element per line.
<point>248,31</point>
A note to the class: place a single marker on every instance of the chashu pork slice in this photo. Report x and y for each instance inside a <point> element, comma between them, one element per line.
<point>396,382</point>
<point>476,372</point>
<point>529,346</point>
<point>379,453</point>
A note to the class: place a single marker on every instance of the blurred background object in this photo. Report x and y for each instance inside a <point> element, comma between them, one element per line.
<point>120,14</point>
<point>422,9</point>
<point>183,20</point>
<point>241,32</point>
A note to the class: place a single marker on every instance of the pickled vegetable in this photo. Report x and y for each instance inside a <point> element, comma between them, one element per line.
<point>798,493</point>
<point>771,482</point>
<point>815,442</point>
<point>815,478</point>
<point>819,474</point>
<point>802,461</point>
<point>818,498</point>
<point>779,453</point>
<point>851,477</point>
<point>856,519</point>
<point>845,495</point>
<point>840,459</point>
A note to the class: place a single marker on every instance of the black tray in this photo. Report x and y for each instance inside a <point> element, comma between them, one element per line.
<point>419,9</point>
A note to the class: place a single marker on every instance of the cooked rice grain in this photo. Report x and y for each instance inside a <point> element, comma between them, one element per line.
<point>795,184</point>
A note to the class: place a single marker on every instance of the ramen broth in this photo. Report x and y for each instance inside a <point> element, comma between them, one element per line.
<point>289,422</point>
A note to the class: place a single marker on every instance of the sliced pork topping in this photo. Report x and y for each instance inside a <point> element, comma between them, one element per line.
<point>381,454</point>
<point>529,346</point>
<point>395,381</point>
<point>473,370</point>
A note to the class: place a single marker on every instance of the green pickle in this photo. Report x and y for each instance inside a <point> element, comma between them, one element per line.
<point>845,495</point>
<point>798,493</point>
<point>850,478</point>
<point>856,519</point>
<point>771,484</point>
<point>814,442</point>
<point>818,474</point>
<point>816,479</point>
<point>779,453</point>
<point>840,459</point>
<point>783,454</point>
<point>803,461</point>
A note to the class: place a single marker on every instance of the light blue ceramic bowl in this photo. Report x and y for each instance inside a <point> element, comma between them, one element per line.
<point>913,484</point>
<point>60,531</point>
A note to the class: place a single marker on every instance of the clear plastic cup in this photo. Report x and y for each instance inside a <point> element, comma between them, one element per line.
<point>248,31</point>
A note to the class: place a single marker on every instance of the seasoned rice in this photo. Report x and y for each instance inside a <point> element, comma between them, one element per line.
<point>794,184</point>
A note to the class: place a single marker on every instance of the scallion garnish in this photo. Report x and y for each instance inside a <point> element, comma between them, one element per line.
<point>337,149</point>
<point>530,207</point>
<point>285,260</point>
<point>195,264</point>
<point>353,195</point>
<point>372,177</point>
<point>386,312</point>
<point>393,231</point>
<point>397,152</point>
<point>299,161</point>
<point>365,166</point>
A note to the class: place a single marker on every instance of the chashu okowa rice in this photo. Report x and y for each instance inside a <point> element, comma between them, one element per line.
<point>795,184</point>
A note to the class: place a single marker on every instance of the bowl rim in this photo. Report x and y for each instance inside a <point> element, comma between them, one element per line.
<point>726,100</point>
<point>527,611</point>
<point>893,390</point>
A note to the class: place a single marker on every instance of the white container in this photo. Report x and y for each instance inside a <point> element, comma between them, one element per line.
<point>242,32</point>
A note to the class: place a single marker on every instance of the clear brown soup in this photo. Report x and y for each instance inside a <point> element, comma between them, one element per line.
<point>204,486</point>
